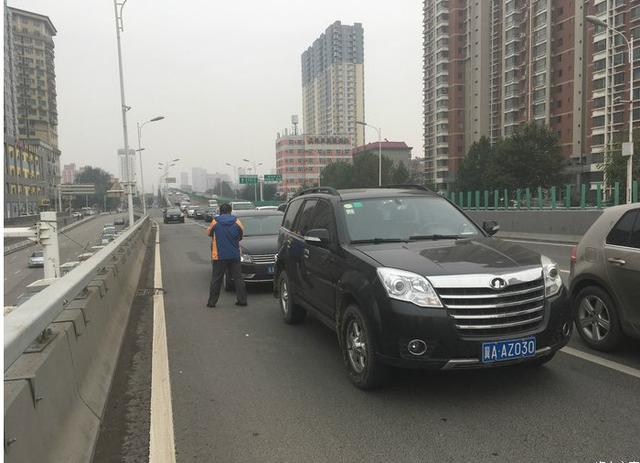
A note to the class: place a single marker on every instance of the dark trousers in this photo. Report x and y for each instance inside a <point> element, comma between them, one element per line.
<point>232,268</point>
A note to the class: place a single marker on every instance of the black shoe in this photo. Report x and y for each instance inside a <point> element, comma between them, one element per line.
<point>209,304</point>
<point>241,304</point>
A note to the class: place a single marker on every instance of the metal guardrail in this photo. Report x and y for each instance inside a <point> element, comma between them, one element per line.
<point>24,325</point>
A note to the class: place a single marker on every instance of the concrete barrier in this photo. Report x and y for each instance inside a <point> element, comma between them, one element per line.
<point>547,225</point>
<point>55,395</point>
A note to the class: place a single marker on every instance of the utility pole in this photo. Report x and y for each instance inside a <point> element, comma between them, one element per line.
<point>125,108</point>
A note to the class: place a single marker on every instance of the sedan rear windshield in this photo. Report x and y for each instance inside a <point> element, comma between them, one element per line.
<point>405,219</point>
<point>261,224</point>
<point>173,211</point>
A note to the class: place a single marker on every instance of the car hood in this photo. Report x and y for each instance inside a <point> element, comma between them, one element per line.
<point>453,257</point>
<point>265,244</point>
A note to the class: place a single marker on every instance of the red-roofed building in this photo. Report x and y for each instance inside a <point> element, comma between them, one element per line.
<point>393,150</point>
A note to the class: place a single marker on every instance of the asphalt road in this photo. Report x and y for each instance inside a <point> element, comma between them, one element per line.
<point>17,275</point>
<point>248,388</point>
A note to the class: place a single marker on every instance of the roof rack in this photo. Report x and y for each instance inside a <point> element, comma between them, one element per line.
<point>319,189</point>
<point>408,186</point>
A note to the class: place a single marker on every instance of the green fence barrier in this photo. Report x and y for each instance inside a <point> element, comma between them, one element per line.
<point>616,193</point>
<point>553,197</point>
<point>477,199</point>
<point>527,197</point>
<point>598,196</point>
<point>583,196</point>
<point>567,196</point>
<point>634,191</point>
<point>540,201</point>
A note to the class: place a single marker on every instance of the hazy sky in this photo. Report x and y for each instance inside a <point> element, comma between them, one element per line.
<point>226,74</point>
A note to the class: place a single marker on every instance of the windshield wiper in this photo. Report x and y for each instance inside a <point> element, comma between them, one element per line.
<point>435,237</point>
<point>379,240</point>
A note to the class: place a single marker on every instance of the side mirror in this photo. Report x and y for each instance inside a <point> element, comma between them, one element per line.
<point>491,227</point>
<point>317,237</point>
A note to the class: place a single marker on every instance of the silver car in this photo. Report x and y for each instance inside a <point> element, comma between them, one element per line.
<point>605,278</point>
<point>36,259</point>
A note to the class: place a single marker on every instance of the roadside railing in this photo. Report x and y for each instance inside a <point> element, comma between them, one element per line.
<point>567,197</point>
<point>25,324</point>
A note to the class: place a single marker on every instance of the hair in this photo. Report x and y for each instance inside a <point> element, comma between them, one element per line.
<point>225,208</point>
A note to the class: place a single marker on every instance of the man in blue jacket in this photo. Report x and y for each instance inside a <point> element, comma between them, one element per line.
<point>226,232</point>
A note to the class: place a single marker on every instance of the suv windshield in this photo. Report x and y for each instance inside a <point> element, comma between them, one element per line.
<point>405,218</point>
<point>261,225</point>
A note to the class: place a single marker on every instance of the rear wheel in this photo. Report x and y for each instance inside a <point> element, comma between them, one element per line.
<point>292,313</point>
<point>597,319</point>
<point>359,345</point>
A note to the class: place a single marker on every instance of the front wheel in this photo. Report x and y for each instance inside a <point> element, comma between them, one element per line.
<point>358,345</point>
<point>291,313</point>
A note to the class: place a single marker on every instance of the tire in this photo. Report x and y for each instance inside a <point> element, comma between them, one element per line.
<point>597,319</point>
<point>227,283</point>
<point>359,344</point>
<point>292,313</point>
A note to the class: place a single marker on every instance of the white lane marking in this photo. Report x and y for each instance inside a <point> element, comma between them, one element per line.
<point>545,243</point>
<point>15,273</point>
<point>601,361</point>
<point>161,436</point>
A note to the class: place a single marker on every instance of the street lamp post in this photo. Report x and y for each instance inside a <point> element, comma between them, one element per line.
<point>125,108</point>
<point>235,179</point>
<point>628,149</point>
<point>140,148</point>
<point>166,166</point>
<point>379,130</point>
<point>255,170</point>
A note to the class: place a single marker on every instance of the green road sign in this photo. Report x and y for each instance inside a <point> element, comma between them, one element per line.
<point>272,178</point>
<point>248,179</point>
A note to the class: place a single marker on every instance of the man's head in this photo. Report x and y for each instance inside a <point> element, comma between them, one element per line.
<point>225,208</point>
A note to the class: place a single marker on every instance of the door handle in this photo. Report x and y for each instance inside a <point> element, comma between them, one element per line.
<point>306,253</point>
<point>616,261</point>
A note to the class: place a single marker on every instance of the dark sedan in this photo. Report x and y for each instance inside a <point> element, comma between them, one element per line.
<point>258,246</point>
<point>198,213</point>
<point>174,215</point>
<point>209,213</point>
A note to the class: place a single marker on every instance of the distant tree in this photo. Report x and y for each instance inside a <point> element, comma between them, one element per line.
<point>531,157</point>
<point>102,181</point>
<point>221,188</point>
<point>400,174</point>
<point>476,168</point>
<point>337,175</point>
<point>614,168</point>
<point>365,171</point>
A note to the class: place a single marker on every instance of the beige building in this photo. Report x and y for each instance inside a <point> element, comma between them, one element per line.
<point>333,83</point>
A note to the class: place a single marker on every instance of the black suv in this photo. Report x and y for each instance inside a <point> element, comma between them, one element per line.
<point>406,279</point>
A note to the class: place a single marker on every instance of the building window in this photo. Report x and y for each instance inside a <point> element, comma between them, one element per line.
<point>597,121</point>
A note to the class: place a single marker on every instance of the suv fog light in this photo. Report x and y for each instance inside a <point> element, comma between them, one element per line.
<point>417,347</point>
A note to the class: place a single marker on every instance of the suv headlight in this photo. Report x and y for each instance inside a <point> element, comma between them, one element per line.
<point>409,287</point>
<point>552,280</point>
<point>245,258</point>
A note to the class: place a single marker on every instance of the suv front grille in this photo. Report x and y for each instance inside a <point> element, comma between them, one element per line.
<point>484,311</point>
<point>264,258</point>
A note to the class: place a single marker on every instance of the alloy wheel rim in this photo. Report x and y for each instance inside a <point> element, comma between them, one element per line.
<point>594,318</point>
<point>284,297</point>
<point>356,346</point>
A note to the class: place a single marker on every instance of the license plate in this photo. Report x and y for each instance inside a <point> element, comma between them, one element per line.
<point>510,349</point>
<point>270,270</point>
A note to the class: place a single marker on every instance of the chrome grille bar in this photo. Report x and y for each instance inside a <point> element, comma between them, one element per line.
<point>498,315</point>
<point>501,325</point>
<point>489,296</point>
<point>495,306</point>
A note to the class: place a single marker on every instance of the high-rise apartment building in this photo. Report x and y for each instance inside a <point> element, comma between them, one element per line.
<point>199,179</point>
<point>607,79</point>
<point>491,65</point>
<point>333,83</point>
<point>184,180</point>
<point>32,157</point>
<point>69,173</point>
